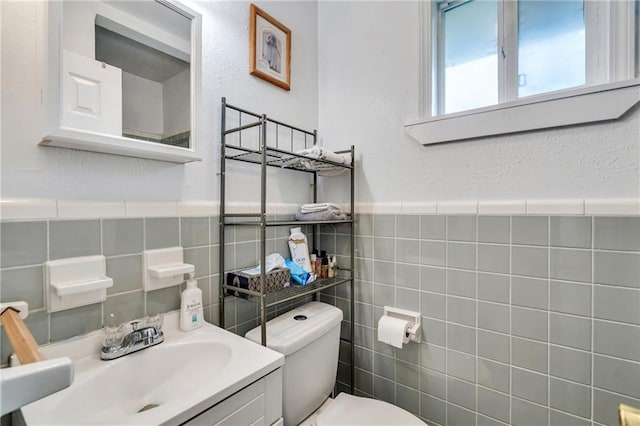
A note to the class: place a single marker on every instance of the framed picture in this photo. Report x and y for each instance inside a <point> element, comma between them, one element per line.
<point>270,49</point>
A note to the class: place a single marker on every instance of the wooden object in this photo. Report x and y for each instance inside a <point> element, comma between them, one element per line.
<point>23,343</point>
<point>629,416</point>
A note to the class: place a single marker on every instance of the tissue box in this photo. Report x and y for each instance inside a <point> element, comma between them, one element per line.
<point>274,280</point>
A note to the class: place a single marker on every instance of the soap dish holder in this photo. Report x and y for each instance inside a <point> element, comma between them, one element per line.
<point>413,318</point>
<point>76,281</point>
<point>164,268</point>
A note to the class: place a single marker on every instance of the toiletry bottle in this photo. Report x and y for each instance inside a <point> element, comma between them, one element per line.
<point>314,257</point>
<point>325,264</point>
<point>332,267</point>
<point>318,265</point>
<point>191,314</point>
<point>299,249</point>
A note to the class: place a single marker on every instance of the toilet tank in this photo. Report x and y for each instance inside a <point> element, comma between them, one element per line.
<point>309,338</point>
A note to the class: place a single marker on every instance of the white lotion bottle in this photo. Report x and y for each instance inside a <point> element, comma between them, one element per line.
<point>191,313</point>
<point>299,249</point>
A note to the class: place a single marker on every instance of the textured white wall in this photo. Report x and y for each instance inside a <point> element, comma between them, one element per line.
<point>354,75</point>
<point>29,170</point>
<point>368,88</point>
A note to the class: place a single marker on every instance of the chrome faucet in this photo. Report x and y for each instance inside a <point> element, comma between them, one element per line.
<point>116,344</point>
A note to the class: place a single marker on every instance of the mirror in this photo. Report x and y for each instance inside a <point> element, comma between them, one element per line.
<point>149,42</point>
<point>123,77</point>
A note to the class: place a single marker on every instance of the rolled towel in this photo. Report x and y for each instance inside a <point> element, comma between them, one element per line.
<point>324,154</point>
<point>323,169</point>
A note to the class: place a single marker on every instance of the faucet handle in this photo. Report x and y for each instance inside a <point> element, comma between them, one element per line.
<point>113,335</point>
<point>154,321</point>
<point>135,325</point>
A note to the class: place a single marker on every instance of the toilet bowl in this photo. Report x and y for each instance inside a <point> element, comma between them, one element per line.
<point>355,410</point>
<point>309,338</point>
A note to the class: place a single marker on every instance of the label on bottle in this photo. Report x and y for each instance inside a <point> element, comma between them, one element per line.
<point>192,308</point>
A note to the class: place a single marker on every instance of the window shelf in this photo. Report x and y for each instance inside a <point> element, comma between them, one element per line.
<point>570,107</point>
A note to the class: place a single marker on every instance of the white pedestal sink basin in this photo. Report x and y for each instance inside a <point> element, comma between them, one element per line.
<point>165,384</point>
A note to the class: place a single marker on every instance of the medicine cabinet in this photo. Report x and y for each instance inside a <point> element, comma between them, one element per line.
<point>123,78</point>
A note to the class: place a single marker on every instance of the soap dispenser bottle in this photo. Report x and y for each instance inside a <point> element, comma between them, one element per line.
<point>191,313</point>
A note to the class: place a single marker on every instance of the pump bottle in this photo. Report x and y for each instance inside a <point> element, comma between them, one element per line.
<point>191,313</point>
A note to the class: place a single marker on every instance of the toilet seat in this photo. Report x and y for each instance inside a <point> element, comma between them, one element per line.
<point>354,410</point>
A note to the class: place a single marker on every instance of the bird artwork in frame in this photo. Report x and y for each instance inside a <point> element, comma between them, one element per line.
<point>270,49</point>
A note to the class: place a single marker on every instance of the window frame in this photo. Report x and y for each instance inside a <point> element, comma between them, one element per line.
<point>610,67</point>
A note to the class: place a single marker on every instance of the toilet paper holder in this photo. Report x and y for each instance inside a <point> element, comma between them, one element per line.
<point>413,318</point>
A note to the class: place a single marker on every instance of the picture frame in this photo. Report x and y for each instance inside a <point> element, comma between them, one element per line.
<point>269,49</point>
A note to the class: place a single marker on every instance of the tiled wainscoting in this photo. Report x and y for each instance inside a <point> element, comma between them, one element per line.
<point>528,320</point>
<point>27,245</point>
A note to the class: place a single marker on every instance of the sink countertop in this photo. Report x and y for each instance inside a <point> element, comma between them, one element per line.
<point>219,364</point>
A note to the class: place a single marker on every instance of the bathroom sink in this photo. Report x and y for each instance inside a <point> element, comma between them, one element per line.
<point>24,384</point>
<point>165,384</point>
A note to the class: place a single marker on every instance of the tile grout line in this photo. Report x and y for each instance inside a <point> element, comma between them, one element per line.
<point>44,281</point>
<point>423,325</point>
<point>591,379</point>
<point>102,304</point>
<point>446,316</point>
<point>548,283</point>
<point>475,276</point>
<point>510,318</point>
<point>144,247</point>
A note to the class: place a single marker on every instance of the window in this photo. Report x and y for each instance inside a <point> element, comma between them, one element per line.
<point>488,52</point>
<point>469,60</point>
<point>551,46</point>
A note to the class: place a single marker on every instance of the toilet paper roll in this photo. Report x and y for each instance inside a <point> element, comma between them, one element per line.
<point>393,331</point>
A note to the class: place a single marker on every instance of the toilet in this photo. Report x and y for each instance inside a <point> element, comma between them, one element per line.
<point>309,338</point>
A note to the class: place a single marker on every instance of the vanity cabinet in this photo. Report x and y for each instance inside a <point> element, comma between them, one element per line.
<point>260,403</point>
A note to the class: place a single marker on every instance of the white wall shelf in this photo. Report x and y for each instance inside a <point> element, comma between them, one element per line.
<point>76,281</point>
<point>164,268</point>
<point>118,145</point>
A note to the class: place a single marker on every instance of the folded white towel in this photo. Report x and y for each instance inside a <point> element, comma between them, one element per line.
<point>318,207</point>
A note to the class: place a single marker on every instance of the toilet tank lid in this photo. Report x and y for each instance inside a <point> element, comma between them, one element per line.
<point>286,334</point>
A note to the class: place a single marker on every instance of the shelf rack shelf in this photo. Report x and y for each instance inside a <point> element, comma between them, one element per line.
<point>292,292</point>
<point>275,155</point>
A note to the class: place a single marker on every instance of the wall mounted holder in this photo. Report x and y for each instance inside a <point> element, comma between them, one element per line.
<point>413,318</point>
<point>76,281</point>
<point>21,306</point>
<point>164,268</point>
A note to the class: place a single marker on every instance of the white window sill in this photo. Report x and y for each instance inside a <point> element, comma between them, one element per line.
<point>570,107</point>
<point>118,145</point>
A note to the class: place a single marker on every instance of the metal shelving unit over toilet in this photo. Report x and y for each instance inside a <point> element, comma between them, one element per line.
<point>275,156</point>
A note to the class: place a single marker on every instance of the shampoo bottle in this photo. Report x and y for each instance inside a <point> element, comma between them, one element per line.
<point>299,249</point>
<point>191,314</point>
